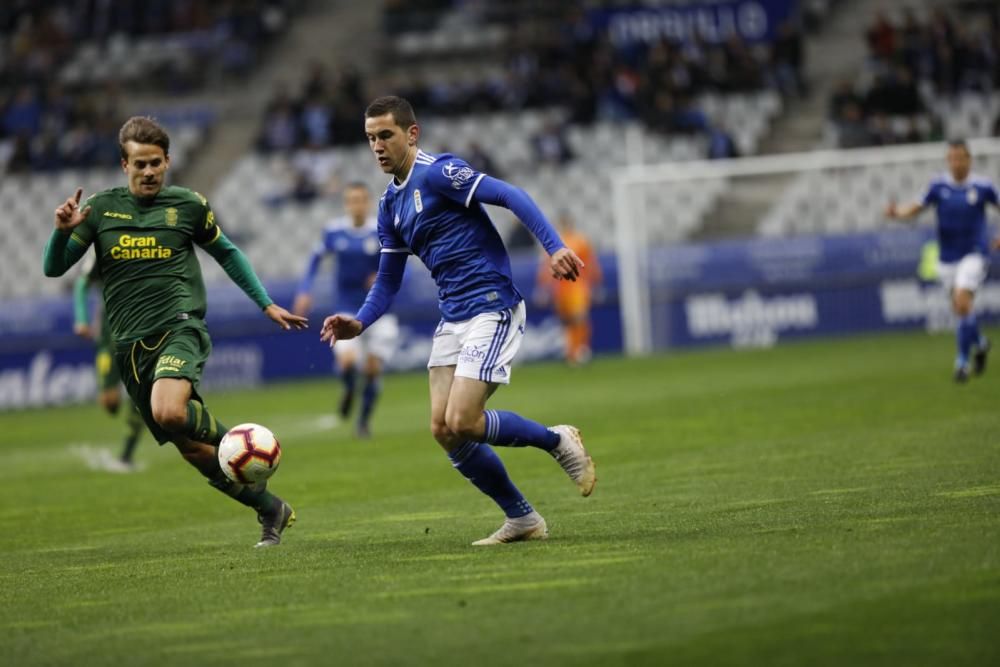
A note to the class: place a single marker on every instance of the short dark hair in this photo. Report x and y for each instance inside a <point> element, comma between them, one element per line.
<point>357,185</point>
<point>401,110</point>
<point>960,143</point>
<point>143,130</point>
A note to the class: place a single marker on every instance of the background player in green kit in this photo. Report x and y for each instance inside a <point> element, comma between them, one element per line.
<point>109,379</point>
<point>154,298</point>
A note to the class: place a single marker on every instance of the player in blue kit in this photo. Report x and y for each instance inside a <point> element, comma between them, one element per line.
<point>433,207</point>
<point>960,198</point>
<point>353,239</point>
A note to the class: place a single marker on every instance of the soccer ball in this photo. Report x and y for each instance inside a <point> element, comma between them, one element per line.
<point>249,454</point>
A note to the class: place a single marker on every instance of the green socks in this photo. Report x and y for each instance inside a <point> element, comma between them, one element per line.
<point>263,501</point>
<point>202,426</point>
<point>133,429</point>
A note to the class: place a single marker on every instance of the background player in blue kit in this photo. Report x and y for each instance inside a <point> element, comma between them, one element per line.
<point>963,241</point>
<point>433,207</point>
<point>353,239</point>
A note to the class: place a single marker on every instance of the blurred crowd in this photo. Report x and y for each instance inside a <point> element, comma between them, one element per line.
<point>49,119</point>
<point>911,62</point>
<point>552,57</point>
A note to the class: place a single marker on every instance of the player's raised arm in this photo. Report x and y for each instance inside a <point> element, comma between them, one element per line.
<point>563,262</point>
<point>455,179</point>
<point>67,245</point>
<point>896,211</point>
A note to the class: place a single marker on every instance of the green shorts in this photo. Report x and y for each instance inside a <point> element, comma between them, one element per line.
<point>177,353</point>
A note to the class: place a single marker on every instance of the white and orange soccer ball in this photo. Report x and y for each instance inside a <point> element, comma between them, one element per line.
<point>249,454</point>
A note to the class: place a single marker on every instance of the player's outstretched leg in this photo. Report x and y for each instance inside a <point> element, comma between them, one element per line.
<point>562,442</point>
<point>133,429</point>
<point>574,459</point>
<point>349,377</point>
<point>274,514</point>
<point>369,396</point>
<point>981,344</point>
<point>965,337</point>
<point>478,463</point>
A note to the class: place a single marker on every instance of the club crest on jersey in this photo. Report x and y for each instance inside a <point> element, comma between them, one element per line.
<point>371,246</point>
<point>418,203</point>
<point>972,196</point>
<point>458,176</point>
<point>171,217</point>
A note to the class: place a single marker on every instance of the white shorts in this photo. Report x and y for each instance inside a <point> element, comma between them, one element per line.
<point>968,273</point>
<point>378,340</point>
<point>482,348</point>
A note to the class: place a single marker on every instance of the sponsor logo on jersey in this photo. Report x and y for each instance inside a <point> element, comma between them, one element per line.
<point>972,196</point>
<point>139,247</point>
<point>458,176</point>
<point>371,246</point>
<point>418,203</point>
<point>116,214</point>
<point>170,215</point>
<point>209,219</point>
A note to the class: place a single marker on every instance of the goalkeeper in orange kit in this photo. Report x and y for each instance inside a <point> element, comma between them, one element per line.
<point>571,299</point>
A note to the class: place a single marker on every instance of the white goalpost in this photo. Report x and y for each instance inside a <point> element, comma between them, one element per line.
<point>788,196</point>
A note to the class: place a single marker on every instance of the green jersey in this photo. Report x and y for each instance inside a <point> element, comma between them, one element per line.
<point>146,257</point>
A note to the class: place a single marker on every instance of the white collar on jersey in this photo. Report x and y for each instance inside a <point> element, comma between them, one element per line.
<point>971,178</point>
<point>421,158</point>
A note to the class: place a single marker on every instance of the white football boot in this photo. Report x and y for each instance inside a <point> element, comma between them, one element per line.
<point>574,458</point>
<point>528,527</point>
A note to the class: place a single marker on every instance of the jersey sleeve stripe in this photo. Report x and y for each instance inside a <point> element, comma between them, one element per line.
<point>218,233</point>
<point>406,250</point>
<point>75,237</point>
<point>472,190</point>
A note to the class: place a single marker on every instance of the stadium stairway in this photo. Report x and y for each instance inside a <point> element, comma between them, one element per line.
<point>327,32</point>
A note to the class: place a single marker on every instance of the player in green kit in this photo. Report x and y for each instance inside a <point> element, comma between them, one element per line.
<point>154,298</point>
<point>109,377</point>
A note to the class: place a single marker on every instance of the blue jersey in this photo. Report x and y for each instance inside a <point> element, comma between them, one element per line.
<point>961,214</point>
<point>357,251</point>
<point>433,215</point>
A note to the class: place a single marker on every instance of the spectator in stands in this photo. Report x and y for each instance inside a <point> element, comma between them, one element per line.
<point>480,160</point>
<point>843,96</point>
<point>852,130</point>
<point>721,144</point>
<point>551,145</point>
<point>881,37</point>
<point>787,58</point>
<point>281,131</point>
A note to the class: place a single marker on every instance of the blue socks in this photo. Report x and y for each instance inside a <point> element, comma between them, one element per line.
<point>967,336</point>
<point>348,378</point>
<point>508,429</point>
<point>368,397</point>
<point>479,464</point>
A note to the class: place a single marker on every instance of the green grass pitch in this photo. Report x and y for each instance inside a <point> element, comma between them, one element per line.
<point>832,502</point>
